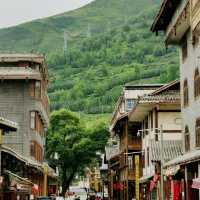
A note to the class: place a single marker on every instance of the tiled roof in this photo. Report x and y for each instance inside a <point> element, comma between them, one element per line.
<point>164,98</point>
<point>171,150</point>
<point>184,159</point>
<point>166,86</point>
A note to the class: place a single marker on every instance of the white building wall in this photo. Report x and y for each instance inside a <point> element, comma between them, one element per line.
<point>133,94</point>
<point>187,69</point>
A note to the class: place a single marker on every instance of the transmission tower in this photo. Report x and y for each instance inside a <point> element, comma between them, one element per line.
<point>89,31</point>
<point>65,42</point>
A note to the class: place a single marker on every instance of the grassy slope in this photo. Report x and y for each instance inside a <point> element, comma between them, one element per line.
<point>106,19</point>
<point>46,35</point>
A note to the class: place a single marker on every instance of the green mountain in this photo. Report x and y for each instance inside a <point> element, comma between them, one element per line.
<point>108,43</point>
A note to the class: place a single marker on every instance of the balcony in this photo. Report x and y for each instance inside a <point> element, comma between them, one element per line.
<point>134,143</point>
<point>179,24</point>
<point>112,151</point>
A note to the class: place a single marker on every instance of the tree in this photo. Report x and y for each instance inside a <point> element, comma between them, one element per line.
<point>75,146</point>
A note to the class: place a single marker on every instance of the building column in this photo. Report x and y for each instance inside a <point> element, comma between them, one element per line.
<point>45,174</point>
<point>186,184</point>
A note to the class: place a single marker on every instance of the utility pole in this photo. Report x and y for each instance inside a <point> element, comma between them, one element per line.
<point>1,141</point>
<point>65,45</point>
<point>89,31</point>
<point>65,41</point>
<point>161,164</point>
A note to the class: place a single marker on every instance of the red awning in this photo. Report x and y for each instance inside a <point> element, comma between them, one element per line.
<point>196,183</point>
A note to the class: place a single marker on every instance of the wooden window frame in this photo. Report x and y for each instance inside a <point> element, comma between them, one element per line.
<point>196,83</point>
<point>37,94</point>
<point>184,48</point>
<point>185,93</point>
<point>36,151</point>
<point>33,118</point>
<point>38,89</point>
<point>187,139</point>
<point>197,131</point>
<point>38,125</point>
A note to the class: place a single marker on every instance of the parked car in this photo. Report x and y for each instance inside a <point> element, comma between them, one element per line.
<point>44,198</point>
<point>59,198</point>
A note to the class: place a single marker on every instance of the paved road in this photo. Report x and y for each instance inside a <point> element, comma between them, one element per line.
<point>79,192</point>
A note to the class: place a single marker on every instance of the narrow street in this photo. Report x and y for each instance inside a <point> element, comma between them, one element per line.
<point>100,100</point>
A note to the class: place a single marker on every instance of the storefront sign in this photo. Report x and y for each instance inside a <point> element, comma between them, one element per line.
<point>137,176</point>
<point>196,183</point>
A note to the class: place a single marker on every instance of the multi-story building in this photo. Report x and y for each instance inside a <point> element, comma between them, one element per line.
<point>180,21</point>
<point>160,116</point>
<point>24,100</point>
<point>122,173</point>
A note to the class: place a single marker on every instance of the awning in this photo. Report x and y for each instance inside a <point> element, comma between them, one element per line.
<point>19,177</point>
<point>171,149</point>
<point>8,125</point>
<point>27,161</point>
<point>18,183</point>
<point>196,183</point>
<point>184,159</point>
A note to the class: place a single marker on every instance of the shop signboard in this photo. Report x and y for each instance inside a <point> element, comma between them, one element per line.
<point>137,177</point>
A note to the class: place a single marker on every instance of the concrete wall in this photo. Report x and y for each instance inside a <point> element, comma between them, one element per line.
<point>187,69</point>
<point>15,105</point>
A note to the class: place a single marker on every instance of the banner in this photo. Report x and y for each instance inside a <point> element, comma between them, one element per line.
<point>137,177</point>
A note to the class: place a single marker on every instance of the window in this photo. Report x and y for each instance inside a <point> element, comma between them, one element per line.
<point>38,89</point>
<point>195,41</point>
<point>36,122</point>
<point>198,132</point>
<point>196,83</point>
<point>36,151</point>
<point>187,139</point>
<point>130,162</point>
<point>129,104</point>
<point>184,48</point>
<point>35,89</point>
<point>185,93</point>
<point>32,149</point>
<point>33,120</point>
<point>148,156</point>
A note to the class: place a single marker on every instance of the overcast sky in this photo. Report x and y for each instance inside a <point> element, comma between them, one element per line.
<point>13,12</point>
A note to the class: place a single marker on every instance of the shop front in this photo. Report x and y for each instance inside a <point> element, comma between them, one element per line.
<point>185,182</point>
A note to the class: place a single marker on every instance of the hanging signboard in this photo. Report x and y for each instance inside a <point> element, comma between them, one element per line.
<point>137,177</point>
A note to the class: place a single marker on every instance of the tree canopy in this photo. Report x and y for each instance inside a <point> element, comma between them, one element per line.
<point>75,146</point>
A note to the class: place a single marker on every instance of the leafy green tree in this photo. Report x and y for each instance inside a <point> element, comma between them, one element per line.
<point>74,146</point>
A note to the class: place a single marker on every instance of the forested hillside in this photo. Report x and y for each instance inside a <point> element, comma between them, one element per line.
<point>108,44</point>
